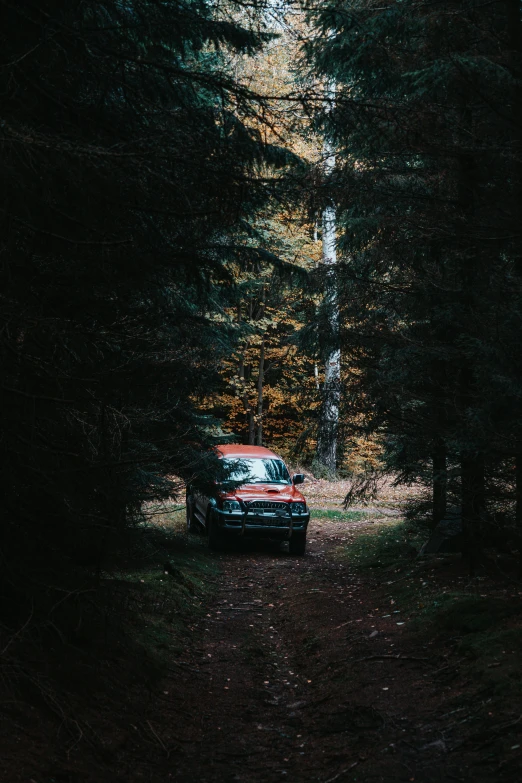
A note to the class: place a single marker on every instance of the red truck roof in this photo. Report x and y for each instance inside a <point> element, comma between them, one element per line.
<point>237,450</point>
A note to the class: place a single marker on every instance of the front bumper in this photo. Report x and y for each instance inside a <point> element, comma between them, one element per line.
<point>264,525</point>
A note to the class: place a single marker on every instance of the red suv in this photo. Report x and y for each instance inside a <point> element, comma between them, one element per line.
<point>266,504</point>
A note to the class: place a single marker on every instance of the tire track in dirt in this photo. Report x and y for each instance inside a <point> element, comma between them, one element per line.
<point>297,674</point>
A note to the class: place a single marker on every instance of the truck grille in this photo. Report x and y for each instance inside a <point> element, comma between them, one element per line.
<point>268,506</point>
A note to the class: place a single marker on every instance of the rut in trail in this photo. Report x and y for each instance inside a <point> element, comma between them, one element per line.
<point>294,676</point>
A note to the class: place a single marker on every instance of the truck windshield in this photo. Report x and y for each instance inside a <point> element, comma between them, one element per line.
<point>258,471</point>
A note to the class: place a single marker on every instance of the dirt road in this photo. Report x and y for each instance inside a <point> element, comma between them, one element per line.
<point>310,670</point>
<point>302,671</point>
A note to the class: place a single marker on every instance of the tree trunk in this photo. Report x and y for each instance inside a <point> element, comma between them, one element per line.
<point>473,504</point>
<point>518,492</point>
<point>440,482</point>
<point>329,421</point>
<point>249,413</point>
<point>260,382</point>
<point>251,428</point>
<point>472,456</point>
<point>473,493</point>
<point>514,26</point>
<point>518,508</point>
<point>316,376</point>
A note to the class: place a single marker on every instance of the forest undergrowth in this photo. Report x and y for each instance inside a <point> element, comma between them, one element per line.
<point>185,640</point>
<point>68,704</point>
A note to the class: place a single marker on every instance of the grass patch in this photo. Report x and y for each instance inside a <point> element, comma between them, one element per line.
<point>164,578</point>
<point>487,633</point>
<point>342,516</point>
<point>81,679</point>
<point>472,614</point>
<point>385,545</point>
<point>478,620</point>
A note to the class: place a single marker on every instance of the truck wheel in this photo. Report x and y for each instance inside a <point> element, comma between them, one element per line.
<point>297,544</point>
<point>192,525</point>
<point>215,537</point>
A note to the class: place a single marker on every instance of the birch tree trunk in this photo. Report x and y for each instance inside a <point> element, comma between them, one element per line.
<point>249,413</point>
<point>246,403</point>
<point>329,421</point>
<point>260,383</point>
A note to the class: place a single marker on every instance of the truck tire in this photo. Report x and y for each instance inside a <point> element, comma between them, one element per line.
<point>297,544</point>
<point>215,537</point>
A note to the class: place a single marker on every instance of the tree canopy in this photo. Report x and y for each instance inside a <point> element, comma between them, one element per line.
<point>133,168</point>
<point>163,286</point>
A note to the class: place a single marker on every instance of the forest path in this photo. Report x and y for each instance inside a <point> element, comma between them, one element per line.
<point>285,682</point>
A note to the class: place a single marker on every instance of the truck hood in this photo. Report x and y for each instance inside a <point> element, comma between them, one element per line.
<point>285,493</point>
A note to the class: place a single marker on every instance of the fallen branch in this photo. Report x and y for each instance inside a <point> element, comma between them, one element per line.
<point>341,773</point>
<point>184,668</point>
<point>393,658</point>
<point>149,724</point>
<point>19,632</point>
<point>492,733</point>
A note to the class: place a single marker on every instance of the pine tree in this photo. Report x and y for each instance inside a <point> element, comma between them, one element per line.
<point>131,171</point>
<point>428,184</point>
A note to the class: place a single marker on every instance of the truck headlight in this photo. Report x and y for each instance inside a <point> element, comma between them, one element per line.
<point>298,508</point>
<point>231,506</point>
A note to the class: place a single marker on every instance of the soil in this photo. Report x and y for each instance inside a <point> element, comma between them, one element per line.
<point>300,670</point>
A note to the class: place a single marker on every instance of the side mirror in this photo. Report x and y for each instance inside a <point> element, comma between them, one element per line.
<point>298,478</point>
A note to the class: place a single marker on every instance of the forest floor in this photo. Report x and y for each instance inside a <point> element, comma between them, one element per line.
<point>357,662</point>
